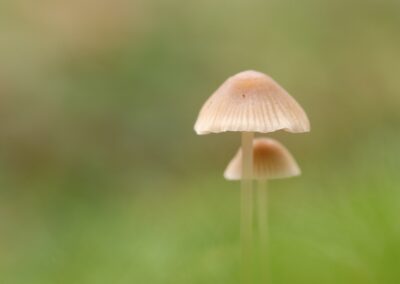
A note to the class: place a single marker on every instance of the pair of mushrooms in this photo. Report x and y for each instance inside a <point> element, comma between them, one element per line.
<point>250,102</point>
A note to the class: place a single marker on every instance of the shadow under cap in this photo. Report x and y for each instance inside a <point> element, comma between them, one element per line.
<point>271,160</point>
<point>251,101</point>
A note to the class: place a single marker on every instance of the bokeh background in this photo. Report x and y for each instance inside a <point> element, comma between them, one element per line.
<point>103,180</point>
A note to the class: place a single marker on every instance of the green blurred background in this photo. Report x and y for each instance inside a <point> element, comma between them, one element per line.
<point>103,180</point>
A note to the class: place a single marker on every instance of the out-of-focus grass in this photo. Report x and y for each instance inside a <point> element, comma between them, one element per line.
<point>327,227</point>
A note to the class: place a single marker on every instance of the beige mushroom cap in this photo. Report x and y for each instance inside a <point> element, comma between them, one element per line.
<point>271,160</point>
<point>251,101</point>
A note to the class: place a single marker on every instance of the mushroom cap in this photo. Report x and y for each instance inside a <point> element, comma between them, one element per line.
<point>251,101</point>
<point>271,160</point>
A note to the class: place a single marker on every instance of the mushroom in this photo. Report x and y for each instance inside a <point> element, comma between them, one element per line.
<point>271,160</point>
<point>250,102</point>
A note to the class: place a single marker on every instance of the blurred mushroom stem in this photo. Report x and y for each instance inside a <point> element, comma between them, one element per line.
<point>262,220</point>
<point>246,226</point>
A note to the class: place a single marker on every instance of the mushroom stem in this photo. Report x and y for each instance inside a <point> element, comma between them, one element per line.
<point>246,226</point>
<point>262,219</point>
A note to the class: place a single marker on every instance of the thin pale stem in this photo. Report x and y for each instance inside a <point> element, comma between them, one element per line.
<point>246,226</point>
<point>262,219</point>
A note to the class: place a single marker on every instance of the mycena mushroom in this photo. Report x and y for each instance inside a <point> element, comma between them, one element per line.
<point>250,102</point>
<point>271,160</point>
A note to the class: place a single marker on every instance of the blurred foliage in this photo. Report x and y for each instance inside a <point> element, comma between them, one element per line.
<point>102,178</point>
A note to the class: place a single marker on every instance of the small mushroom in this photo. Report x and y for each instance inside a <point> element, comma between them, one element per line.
<point>271,160</point>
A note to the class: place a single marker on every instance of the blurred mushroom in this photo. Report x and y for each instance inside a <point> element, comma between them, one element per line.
<point>271,160</point>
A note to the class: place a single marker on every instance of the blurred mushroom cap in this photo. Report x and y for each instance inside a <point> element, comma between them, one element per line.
<point>271,160</point>
<point>251,101</point>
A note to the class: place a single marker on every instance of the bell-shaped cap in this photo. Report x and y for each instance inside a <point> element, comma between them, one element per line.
<point>271,160</point>
<point>251,101</point>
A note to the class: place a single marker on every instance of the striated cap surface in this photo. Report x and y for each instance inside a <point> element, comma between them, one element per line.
<point>271,160</point>
<point>251,101</point>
